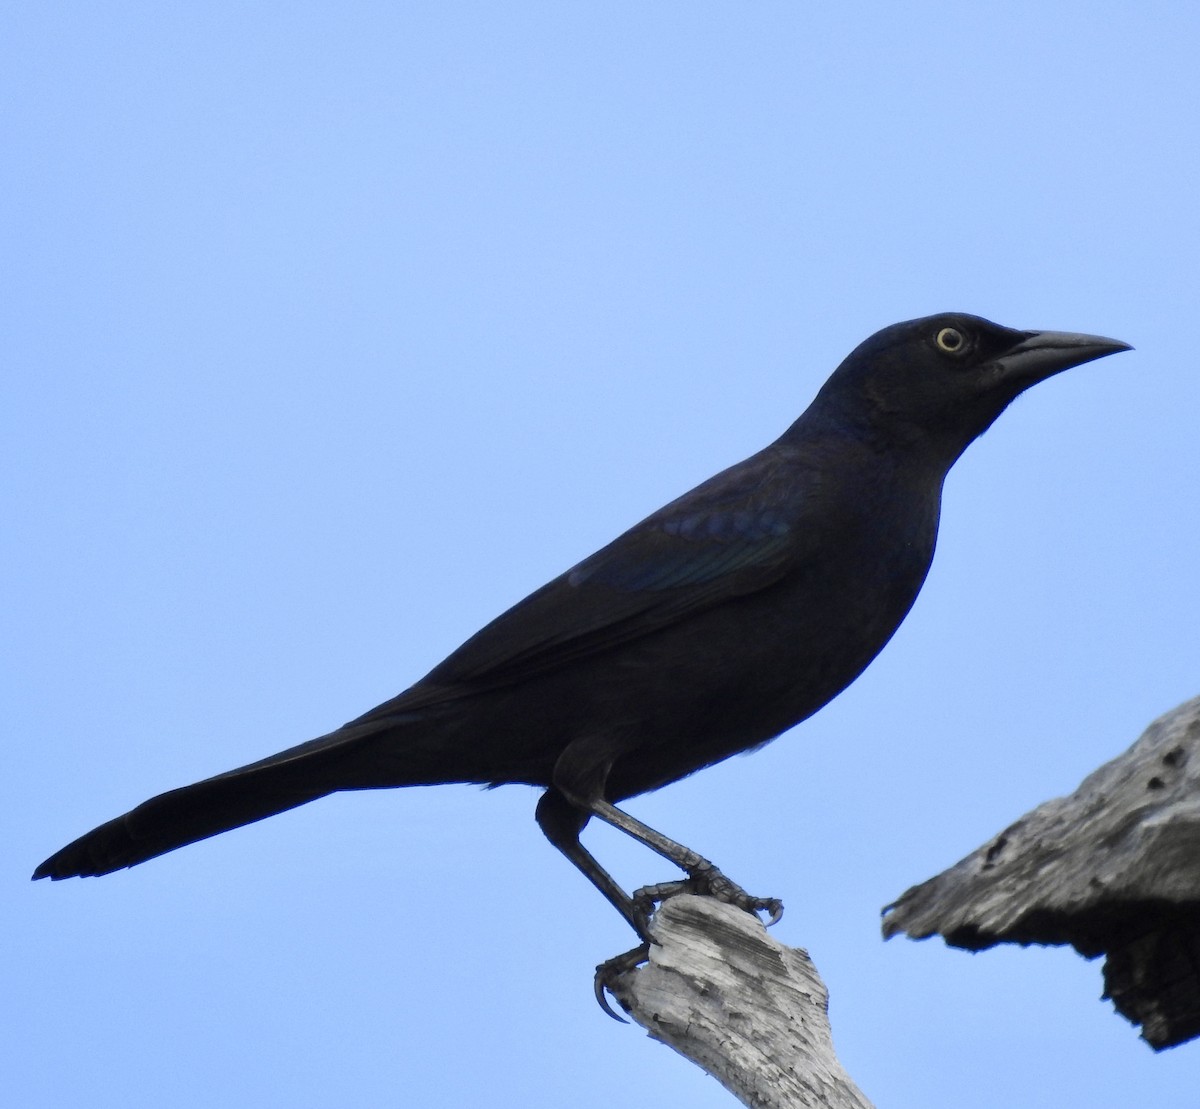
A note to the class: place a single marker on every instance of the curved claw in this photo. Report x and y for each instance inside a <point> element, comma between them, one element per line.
<point>773,906</point>
<point>610,969</point>
<point>648,898</point>
<point>601,990</point>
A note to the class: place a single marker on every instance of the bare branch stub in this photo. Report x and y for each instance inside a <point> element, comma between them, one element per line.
<point>722,992</point>
<point>1113,870</point>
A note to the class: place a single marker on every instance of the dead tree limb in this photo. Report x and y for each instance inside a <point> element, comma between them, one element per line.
<point>1112,870</point>
<point>748,1010</point>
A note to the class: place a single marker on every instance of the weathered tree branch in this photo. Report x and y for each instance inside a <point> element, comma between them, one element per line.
<point>748,1010</point>
<point>1113,870</point>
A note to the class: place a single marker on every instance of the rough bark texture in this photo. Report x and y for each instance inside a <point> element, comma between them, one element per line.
<point>749,1011</point>
<point>1113,870</point>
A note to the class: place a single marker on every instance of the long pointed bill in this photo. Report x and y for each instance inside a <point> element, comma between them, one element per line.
<point>1042,354</point>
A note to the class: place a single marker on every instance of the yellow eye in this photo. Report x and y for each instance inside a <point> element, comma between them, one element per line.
<point>951,340</point>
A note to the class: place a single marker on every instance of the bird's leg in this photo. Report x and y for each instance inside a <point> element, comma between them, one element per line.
<point>580,776</point>
<point>561,823</point>
<point>702,876</point>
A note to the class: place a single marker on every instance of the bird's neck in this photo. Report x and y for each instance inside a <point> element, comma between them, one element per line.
<point>828,426</point>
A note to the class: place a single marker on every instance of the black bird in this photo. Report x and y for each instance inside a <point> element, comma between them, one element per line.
<point>712,626</point>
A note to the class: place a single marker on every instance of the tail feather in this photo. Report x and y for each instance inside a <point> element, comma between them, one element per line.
<point>182,816</point>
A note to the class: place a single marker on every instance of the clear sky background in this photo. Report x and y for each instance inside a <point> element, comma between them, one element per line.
<point>331,330</point>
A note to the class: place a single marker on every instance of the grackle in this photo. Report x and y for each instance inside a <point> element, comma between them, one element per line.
<point>712,626</point>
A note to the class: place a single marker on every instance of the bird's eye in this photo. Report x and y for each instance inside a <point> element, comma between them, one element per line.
<point>951,340</point>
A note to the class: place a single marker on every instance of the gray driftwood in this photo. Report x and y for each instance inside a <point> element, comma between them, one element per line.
<point>1112,870</point>
<point>745,1008</point>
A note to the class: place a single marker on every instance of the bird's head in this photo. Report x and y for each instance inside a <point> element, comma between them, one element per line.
<point>941,381</point>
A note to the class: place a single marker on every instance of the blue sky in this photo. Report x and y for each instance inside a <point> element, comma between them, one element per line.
<point>333,330</point>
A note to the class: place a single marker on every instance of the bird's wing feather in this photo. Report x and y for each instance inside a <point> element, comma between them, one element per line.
<point>733,535</point>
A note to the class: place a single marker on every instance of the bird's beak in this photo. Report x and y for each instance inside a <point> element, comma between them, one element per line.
<point>1041,354</point>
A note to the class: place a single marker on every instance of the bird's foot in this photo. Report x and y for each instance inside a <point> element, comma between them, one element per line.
<point>612,969</point>
<point>707,881</point>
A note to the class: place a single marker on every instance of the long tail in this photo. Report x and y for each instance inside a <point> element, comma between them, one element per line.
<point>182,816</point>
